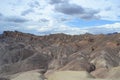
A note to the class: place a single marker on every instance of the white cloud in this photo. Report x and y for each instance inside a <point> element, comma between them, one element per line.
<point>111,26</point>
<point>70,30</point>
<point>31,27</point>
<point>107,28</point>
<point>107,10</point>
<point>50,29</point>
<point>58,29</point>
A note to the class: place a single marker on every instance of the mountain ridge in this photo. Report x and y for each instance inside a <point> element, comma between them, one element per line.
<point>20,52</point>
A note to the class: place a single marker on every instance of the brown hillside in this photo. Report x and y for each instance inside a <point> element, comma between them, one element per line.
<point>21,52</point>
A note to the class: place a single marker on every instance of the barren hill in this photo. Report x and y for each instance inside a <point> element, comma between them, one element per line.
<point>99,55</point>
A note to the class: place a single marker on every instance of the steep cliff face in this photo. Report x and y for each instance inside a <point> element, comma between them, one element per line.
<point>21,52</point>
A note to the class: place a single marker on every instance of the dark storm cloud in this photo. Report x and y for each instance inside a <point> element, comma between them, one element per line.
<point>26,12</point>
<point>73,9</point>
<point>56,1</point>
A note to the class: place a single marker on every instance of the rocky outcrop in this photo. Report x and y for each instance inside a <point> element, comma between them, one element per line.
<point>4,79</point>
<point>114,73</point>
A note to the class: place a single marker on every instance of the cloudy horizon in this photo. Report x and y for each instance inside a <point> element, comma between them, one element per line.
<point>42,17</point>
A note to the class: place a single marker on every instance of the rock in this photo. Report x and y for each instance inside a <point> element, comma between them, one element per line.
<point>4,79</point>
<point>98,73</point>
<point>77,65</point>
<point>114,73</point>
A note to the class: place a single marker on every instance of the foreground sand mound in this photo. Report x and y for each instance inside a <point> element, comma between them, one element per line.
<point>58,75</point>
<point>69,75</point>
<point>73,75</point>
<point>29,75</point>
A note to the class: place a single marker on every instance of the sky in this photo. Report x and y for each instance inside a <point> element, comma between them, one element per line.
<point>42,17</point>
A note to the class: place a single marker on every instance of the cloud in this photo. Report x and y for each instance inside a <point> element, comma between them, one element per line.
<point>70,9</point>
<point>16,19</point>
<point>1,14</point>
<point>64,19</point>
<point>56,1</point>
<point>104,29</point>
<point>69,30</point>
<point>57,14</point>
<point>77,10</point>
<point>26,12</point>
<point>105,7</point>
<point>44,20</point>
<point>32,27</point>
<point>108,8</point>
<point>52,30</point>
<point>34,4</point>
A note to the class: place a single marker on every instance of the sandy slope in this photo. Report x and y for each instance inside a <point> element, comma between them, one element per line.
<point>69,75</point>
<point>58,75</point>
<point>29,75</point>
<point>73,75</point>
